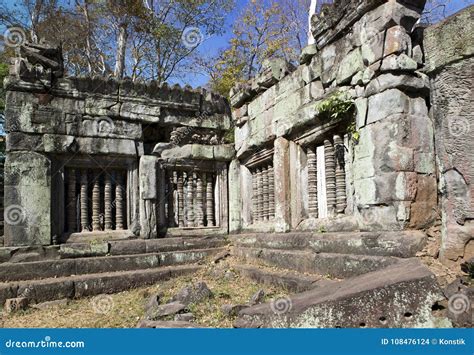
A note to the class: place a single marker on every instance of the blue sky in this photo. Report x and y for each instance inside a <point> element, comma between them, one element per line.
<point>214,43</point>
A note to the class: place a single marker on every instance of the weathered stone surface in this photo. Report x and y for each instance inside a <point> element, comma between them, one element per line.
<point>77,250</point>
<point>16,304</point>
<point>231,310</point>
<point>165,310</point>
<point>167,324</point>
<point>308,53</point>
<point>193,294</point>
<point>387,103</point>
<point>257,297</point>
<point>399,296</point>
<point>449,41</point>
<point>184,317</point>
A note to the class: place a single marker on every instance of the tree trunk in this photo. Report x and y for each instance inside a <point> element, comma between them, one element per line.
<point>121,49</point>
<point>35,15</point>
<point>312,11</point>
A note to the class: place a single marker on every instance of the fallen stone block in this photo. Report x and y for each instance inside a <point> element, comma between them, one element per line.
<point>401,295</point>
<point>165,310</point>
<point>193,294</point>
<point>167,324</point>
<point>231,310</point>
<point>16,304</point>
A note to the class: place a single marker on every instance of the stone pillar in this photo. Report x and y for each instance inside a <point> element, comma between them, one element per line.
<point>108,225</point>
<point>180,199</point>
<point>170,197</point>
<point>281,166</point>
<point>254,196</point>
<point>150,201</point>
<point>265,192</point>
<point>235,197</point>
<point>96,203</point>
<point>271,192</point>
<point>312,183</point>
<point>119,202</point>
<point>330,177</point>
<point>321,182</point>
<point>84,202</point>
<point>209,201</point>
<point>340,174</point>
<point>259,194</point>
<point>189,201</point>
<point>199,201</point>
<point>71,201</point>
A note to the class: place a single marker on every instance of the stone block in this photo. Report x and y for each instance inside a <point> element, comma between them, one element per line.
<point>308,53</point>
<point>397,41</point>
<point>402,300</point>
<point>372,50</point>
<point>16,304</point>
<point>350,64</point>
<point>281,165</point>
<point>398,62</point>
<point>361,105</point>
<point>78,250</point>
<point>387,103</point>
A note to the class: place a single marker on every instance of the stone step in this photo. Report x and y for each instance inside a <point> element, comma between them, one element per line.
<point>99,247</point>
<point>80,266</point>
<point>401,295</point>
<point>38,291</point>
<point>328,264</point>
<point>291,281</point>
<point>403,244</point>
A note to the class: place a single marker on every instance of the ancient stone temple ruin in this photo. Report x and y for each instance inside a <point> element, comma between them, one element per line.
<point>348,165</point>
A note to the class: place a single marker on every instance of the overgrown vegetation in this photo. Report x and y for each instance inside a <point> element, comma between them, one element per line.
<point>339,105</point>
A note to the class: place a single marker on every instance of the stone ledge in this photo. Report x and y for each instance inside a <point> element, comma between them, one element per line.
<point>401,295</point>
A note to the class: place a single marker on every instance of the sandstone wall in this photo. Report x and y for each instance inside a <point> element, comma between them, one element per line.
<point>449,52</point>
<point>371,51</point>
<point>97,123</point>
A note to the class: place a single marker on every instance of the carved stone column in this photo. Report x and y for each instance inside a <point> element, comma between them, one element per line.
<point>189,201</point>
<point>199,201</point>
<point>265,193</point>
<point>96,203</point>
<point>259,194</point>
<point>108,225</point>
<point>312,183</point>
<point>209,201</point>
<point>180,200</point>
<point>330,176</point>
<point>341,201</point>
<point>254,196</point>
<point>170,197</point>
<point>71,201</point>
<point>271,192</point>
<point>84,202</point>
<point>119,202</point>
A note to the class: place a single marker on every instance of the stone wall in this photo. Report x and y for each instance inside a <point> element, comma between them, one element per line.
<point>74,142</point>
<point>449,55</point>
<point>369,53</point>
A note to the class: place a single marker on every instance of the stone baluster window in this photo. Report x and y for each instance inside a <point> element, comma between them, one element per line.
<point>327,178</point>
<point>263,186</point>
<point>95,200</point>
<point>191,198</point>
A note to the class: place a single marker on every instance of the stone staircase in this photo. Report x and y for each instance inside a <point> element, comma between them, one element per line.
<point>337,255</point>
<point>75,270</point>
<point>374,280</point>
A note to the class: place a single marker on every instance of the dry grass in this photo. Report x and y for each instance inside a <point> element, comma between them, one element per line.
<point>127,309</point>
